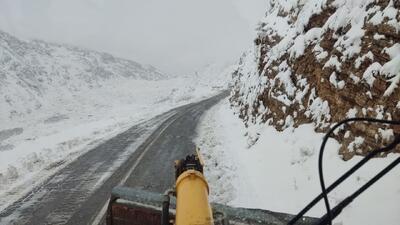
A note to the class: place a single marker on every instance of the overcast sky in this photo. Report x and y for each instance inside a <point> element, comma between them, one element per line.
<point>176,36</point>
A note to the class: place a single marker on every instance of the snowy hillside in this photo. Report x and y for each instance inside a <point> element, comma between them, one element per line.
<point>34,75</point>
<point>58,101</point>
<point>321,62</point>
<point>313,63</point>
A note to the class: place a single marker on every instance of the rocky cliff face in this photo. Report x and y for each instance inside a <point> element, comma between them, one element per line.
<point>323,61</point>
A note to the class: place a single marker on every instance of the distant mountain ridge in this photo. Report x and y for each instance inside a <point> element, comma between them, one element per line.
<point>31,70</point>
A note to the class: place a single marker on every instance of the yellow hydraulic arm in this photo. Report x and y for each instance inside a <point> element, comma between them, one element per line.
<point>192,205</point>
<point>129,206</point>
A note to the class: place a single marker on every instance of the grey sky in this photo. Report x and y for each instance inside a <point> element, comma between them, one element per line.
<point>177,36</point>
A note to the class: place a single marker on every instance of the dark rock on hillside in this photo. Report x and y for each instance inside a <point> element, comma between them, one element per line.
<point>321,62</point>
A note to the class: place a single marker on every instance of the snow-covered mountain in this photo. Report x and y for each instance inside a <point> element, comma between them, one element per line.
<point>58,101</point>
<point>321,62</point>
<point>36,74</point>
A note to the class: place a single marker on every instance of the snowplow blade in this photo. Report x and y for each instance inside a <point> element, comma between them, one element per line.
<point>137,207</point>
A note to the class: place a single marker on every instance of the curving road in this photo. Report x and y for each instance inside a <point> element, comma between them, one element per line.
<point>140,157</point>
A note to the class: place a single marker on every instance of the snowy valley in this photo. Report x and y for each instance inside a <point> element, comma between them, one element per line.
<point>59,101</point>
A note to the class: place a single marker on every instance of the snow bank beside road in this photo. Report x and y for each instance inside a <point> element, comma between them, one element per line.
<point>279,171</point>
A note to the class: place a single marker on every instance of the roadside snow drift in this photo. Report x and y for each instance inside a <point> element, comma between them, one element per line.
<point>279,172</point>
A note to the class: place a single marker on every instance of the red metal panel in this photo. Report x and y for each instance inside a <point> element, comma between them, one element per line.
<point>124,215</point>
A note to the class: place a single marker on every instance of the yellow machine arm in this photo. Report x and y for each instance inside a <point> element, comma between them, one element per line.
<point>186,204</point>
<point>192,205</point>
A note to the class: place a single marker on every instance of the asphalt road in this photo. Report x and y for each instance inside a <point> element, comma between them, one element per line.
<point>140,157</point>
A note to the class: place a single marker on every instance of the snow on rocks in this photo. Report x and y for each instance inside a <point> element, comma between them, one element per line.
<point>346,54</point>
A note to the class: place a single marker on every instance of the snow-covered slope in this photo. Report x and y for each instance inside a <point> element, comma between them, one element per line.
<point>313,63</point>
<point>35,75</point>
<point>322,61</point>
<point>279,172</point>
<point>58,101</point>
